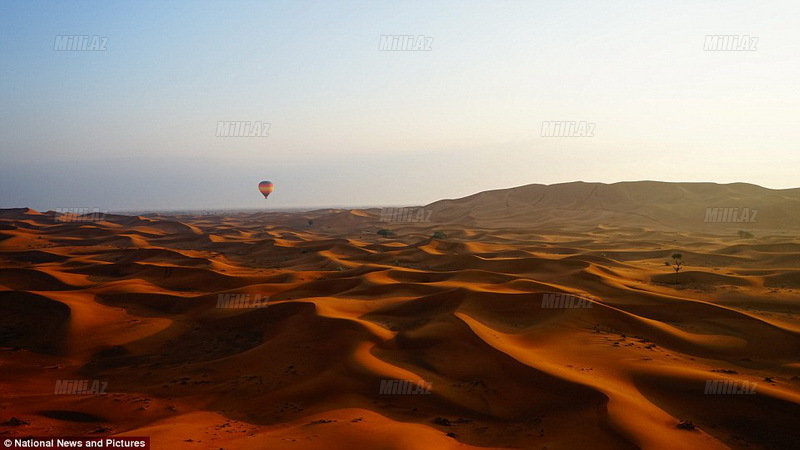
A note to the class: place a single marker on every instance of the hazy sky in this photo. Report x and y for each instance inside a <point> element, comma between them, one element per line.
<point>135,126</point>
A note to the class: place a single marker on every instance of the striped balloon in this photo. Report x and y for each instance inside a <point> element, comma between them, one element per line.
<point>265,187</point>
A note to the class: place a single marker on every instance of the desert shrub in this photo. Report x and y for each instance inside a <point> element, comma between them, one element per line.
<point>677,264</point>
<point>745,234</point>
<point>439,235</point>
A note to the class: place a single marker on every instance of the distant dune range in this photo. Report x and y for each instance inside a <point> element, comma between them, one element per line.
<point>675,206</point>
<point>139,302</point>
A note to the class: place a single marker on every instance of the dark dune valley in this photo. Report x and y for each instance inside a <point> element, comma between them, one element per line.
<point>543,316</point>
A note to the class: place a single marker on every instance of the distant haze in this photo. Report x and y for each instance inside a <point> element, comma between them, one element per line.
<point>135,125</point>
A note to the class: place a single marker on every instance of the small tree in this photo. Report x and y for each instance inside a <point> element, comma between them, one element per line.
<point>677,263</point>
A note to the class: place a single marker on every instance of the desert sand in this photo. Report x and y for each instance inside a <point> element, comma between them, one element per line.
<point>133,301</point>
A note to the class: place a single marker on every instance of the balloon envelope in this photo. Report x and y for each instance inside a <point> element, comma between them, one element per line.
<point>265,187</point>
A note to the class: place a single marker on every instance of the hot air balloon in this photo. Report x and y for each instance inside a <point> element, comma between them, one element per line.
<point>265,187</point>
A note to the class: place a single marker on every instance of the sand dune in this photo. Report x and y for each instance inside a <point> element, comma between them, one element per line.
<point>540,316</point>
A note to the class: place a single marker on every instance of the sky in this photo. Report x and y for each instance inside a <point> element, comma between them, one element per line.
<point>135,125</point>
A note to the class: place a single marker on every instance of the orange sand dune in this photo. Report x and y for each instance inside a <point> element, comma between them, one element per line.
<point>537,317</point>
